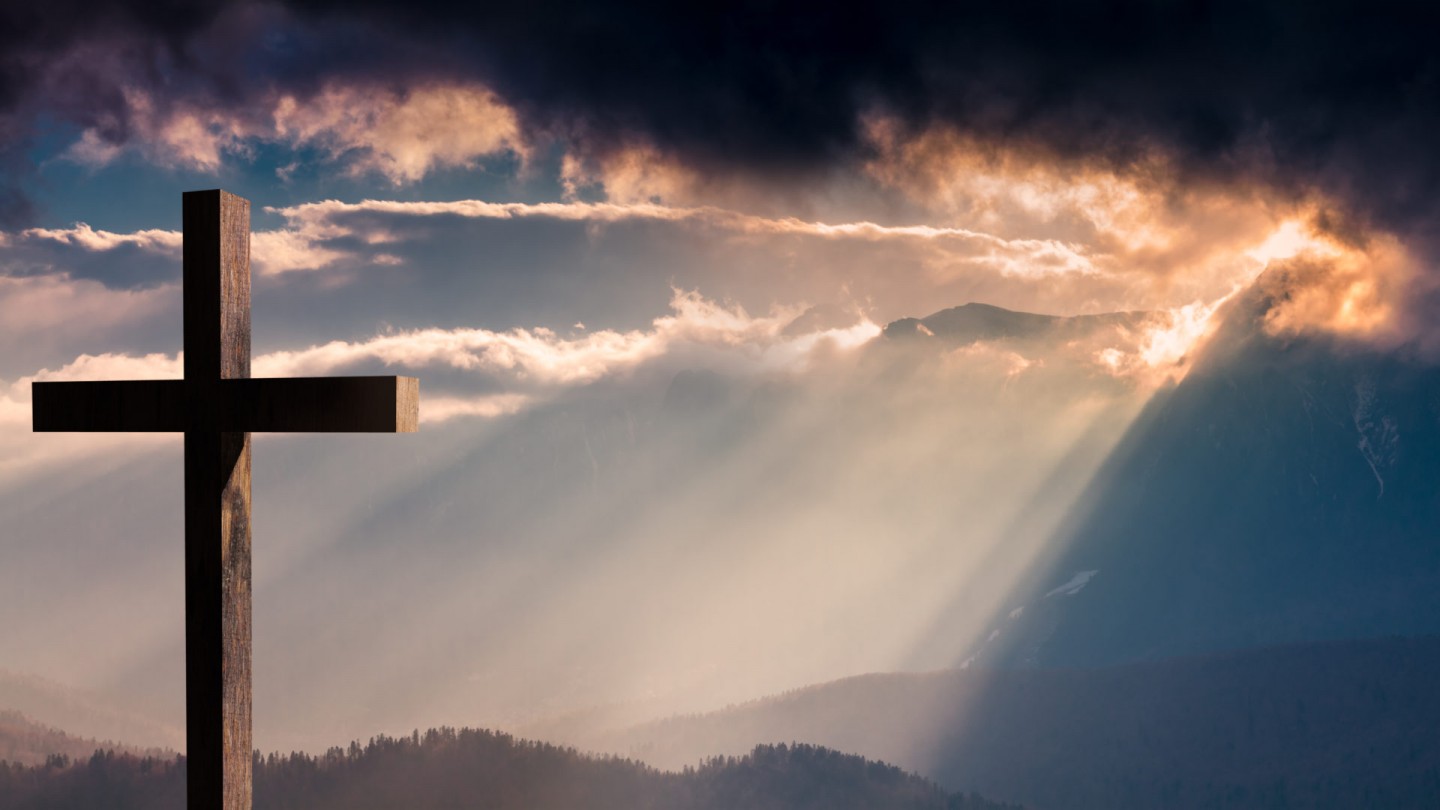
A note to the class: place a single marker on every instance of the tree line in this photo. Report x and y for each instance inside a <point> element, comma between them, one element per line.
<point>450,768</point>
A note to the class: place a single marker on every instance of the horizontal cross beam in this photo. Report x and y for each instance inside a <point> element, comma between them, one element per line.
<point>251,405</point>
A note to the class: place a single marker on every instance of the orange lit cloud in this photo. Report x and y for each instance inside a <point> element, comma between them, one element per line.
<point>1010,224</point>
<point>1163,348</point>
<point>1354,292</point>
<point>1180,245</point>
<point>401,135</point>
<point>1143,222</point>
<point>636,174</point>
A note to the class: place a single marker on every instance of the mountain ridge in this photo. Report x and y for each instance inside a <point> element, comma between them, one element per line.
<point>976,321</point>
<point>1330,724</point>
<point>23,741</point>
<point>83,714</point>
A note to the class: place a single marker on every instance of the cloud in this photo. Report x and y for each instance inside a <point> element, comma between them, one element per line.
<point>320,222</point>
<point>1119,241</point>
<point>401,134</point>
<point>23,453</point>
<point>634,174</point>
<point>442,409</point>
<point>110,367</point>
<point>1160,227</point>
<point>33,305</point>
<point>1358,293</point>
<point>1148,220</point>
<point>1124,142</point>
<point>636,491</point>
<point>83,236</point>
<point>146,257</point>
<point>1294,97</point>
<point>139,260</point>
<point>1333,96</point>
<point>176,136</point>
<point>527,365</point>
<point>1124,243</point>
<point>483,373</point>
<point>276,252</point>
<point>1164,347</point>
<point>51,316</point>
<point>536,359</point>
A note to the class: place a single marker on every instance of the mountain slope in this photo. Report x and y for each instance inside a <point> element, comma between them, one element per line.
<point>1333,725</point>
<point>1285,491</point>
<point>82,714</point>
<point>26,742</point>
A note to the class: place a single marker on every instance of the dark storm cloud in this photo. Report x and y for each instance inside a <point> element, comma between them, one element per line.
<point>51,68</point>
<point>1340,96</point>
<point>1345,94</point>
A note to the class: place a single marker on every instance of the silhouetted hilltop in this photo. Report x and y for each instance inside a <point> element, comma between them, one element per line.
<point>1333,725</point>
<point>82,714</point>
<point>26,742</point>
<point>446,768</point>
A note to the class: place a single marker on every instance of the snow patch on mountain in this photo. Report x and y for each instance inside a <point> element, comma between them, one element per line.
<point>1379,442</point>
<point>1074,586</point>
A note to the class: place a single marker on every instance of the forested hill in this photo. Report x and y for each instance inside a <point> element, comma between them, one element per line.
<point>26,742</point>
<point>1335,725</point>
<point>461,769</point>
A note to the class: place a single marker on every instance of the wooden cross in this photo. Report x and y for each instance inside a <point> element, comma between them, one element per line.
<point>216,406</point>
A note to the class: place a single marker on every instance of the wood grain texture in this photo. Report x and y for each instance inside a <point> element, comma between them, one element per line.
<point>217,504</point>
<point>217,285</point>
<point>217,621</point>
<point>407,404</point>
<point>321,404</point>
<point>217,405</point>
<point>136,406</point>
<point>255,405</point>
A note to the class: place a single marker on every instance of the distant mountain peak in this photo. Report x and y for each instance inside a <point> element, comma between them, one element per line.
<point>974,322</point>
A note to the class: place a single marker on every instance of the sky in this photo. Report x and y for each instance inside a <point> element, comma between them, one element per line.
<point>641,257</point>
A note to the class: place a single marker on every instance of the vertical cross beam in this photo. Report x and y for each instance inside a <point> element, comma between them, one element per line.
<point>216,405</point>
<point>217,505</point>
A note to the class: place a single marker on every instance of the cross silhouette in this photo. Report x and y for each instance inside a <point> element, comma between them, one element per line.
<point>216,406</point>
